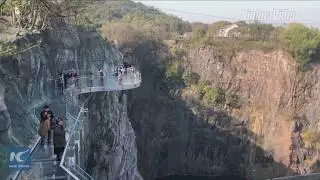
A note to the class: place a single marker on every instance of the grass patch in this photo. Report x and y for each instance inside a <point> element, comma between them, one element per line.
<point>311,138</point>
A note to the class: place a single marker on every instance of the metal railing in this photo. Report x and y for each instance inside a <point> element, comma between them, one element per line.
<point>108,83</point>
<point>19,173</point>
<point>93,82</point>
<point>42,170</point>
<point>35,146</point>
<point>70,160</point>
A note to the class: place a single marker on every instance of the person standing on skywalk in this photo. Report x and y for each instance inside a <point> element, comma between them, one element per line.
<point>44,128</point>
<point>61,82</point>
<point>101,76</point>
<point>59,139</point>
<point>47,114</point>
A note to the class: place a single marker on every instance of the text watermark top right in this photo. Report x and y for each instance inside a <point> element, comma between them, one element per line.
<point>269,15</point>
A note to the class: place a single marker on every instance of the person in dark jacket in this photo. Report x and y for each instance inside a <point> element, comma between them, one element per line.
<point>101,76</point>
<point>65,78</point>
<point>61,82</point>
<point>46,110</point>
<point>59,139</point>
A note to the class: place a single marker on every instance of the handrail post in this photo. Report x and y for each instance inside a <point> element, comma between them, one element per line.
<point>80,142</point>
<point>76,152</point>
<point>41,169</point>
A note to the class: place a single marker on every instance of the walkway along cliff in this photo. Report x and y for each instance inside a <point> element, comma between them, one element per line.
<point>108,140</point>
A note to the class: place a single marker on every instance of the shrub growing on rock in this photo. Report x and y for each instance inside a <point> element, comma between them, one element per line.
<point>232,100</point>
<point>190,77</point>
<point>311,138</point>
<point>211,95</point>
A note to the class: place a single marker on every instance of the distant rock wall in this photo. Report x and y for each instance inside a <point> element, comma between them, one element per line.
<point>278,100</point>
<point>259,140</point>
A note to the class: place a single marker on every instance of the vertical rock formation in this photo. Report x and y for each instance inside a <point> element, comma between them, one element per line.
<point>111,139</point>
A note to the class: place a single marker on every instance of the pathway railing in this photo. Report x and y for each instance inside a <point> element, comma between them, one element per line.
<point>92,82</point>
<point>21,174</point>
<point>70,161</point>
<point>28,173</point>
<point>108,82</point>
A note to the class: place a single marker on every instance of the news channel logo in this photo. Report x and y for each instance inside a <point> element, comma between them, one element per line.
<point>274,14</point>
<point>19,158</point>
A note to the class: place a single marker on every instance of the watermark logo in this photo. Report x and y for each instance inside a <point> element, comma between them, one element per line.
<point>19,158</point>
<point>269,15</point>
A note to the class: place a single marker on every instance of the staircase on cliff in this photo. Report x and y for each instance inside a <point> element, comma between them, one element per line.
<point>44,165</point>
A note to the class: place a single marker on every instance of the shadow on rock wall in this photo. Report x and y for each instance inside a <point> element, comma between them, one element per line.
<point>172,139</point>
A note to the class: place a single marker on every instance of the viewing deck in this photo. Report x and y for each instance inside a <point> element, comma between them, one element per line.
<point>109,82</point>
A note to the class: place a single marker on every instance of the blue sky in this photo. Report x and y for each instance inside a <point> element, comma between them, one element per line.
<point>276,12</point>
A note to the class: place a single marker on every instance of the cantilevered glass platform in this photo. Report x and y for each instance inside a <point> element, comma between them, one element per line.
<point>108,82</point>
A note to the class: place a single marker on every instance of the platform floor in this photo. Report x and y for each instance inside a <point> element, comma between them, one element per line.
<point>108,83</point>
<point>43,165</point>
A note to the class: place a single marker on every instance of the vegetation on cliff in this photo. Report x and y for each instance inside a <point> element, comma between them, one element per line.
<point>311,137</point>
<point>301,42</point>
<point>7,49</point>
<point>119,17</point>
<point>30,14</point>
<point>139,15</point>
<point>20,17</point>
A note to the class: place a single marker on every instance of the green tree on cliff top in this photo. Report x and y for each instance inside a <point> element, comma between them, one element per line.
<point>302,42</point>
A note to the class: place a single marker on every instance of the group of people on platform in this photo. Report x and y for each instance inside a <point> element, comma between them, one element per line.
<point>49,126</point>
<point>72,76</point>
<point>123,69</point>
<point>119,71</point>
<point>65,77</point>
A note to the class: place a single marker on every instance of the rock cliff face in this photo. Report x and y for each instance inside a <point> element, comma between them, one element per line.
<point>111,139</point>
<point>26,86</point>
<point>278,101</point>
<point>261,139</point>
